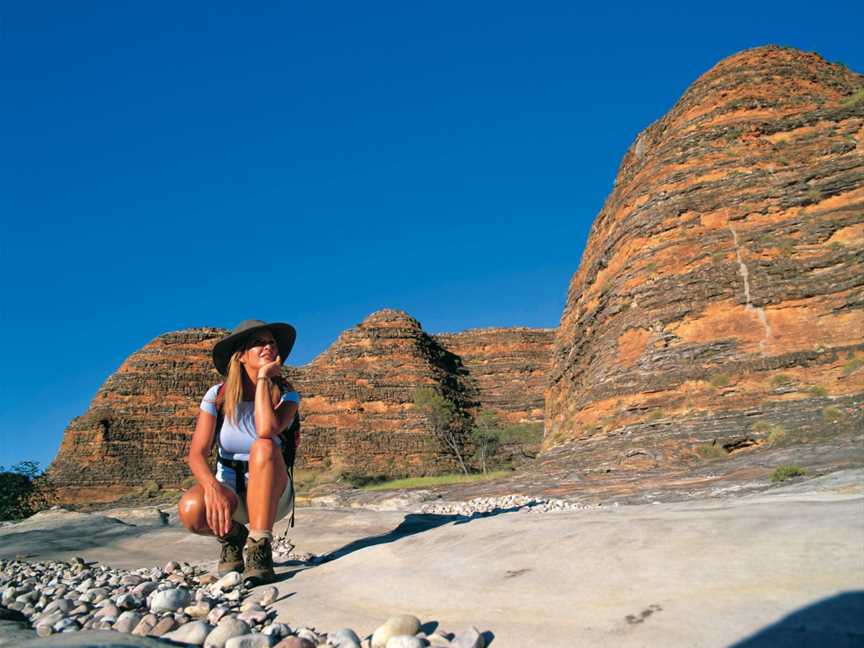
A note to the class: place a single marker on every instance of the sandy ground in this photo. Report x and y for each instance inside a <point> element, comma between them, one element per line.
<point>772,568</point>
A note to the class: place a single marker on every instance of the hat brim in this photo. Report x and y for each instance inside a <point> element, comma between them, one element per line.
<point>285,335</point>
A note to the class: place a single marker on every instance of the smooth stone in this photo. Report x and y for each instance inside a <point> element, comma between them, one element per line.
<point>147,623</point>
<point>127,622</point>
<point>49,619</point>
<point>129,602</point>
<point>269,595</point>
<point>277,630</point>
<point>470,638</point>
<point>306,633</point>
<point>144,589</point>
<point>131,579</point>
<point>67,625</point>
<point>438,640</point>
<point>28,610</point>
<point>171,566</point>
<point>198,611</point>
<point>110,611</point>
<point>228,627</point>
<point>405,641</point>
<point>91,639</point>
<point>216,614</point>
<point>207,579</point>
<point>250,641</point>
<point>294,642</point>
<point>250,605</point>
<point>166,624</point>
<point>344,638</point>
<point>233,595</point>
<point>194,632</point>
<point>253,616</point>
<point>169,600</point>
<point>229,580</point>
<point>84,585</point>
<point>84,608</point>
<point>44,631</point>
<point>62,604</point>
<point>403,624</point>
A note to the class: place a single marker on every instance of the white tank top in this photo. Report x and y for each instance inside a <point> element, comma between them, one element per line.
<point>236,437</point>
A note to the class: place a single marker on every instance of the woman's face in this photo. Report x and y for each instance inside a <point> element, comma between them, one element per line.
<point>259,350</point>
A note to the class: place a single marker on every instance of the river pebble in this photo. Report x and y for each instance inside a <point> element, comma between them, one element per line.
<point>182,603</point>
<point>194,632</point>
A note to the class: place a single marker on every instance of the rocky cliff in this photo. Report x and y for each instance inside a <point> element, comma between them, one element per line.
<point>357,409</point>
<point>719,303</point>
<point>508,368</point>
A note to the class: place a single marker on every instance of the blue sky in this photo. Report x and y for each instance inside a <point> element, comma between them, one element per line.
<point>167,165</point>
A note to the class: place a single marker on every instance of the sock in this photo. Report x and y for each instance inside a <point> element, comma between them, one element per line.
<point>258,534</point>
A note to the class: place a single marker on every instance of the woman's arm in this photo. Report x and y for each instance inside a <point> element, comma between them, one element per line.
<point>199,449</point>
<point>270,421</point>
<point>216,496</point>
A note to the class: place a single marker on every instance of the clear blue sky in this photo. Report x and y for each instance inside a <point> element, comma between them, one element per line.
<point>167,165</point>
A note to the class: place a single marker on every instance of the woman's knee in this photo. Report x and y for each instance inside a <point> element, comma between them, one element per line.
<point>192,511</point>
<point>264,451</point>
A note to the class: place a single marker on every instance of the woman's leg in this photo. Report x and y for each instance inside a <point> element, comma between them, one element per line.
<point>267,481</point>
<point>193,512</point>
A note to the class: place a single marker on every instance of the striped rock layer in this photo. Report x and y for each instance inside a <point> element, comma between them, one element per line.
<point>720,300</point>
<point>357,408</point>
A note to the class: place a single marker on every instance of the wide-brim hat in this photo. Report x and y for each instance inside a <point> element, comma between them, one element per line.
<point>285,335</point>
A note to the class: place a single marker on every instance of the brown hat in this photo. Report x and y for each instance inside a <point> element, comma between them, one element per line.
<point>285,335</point>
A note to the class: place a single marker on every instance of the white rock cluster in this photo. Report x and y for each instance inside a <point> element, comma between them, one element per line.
<point>482,506</point>
<point>183,604</point>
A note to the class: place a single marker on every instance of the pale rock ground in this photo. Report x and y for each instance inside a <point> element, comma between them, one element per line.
<point>710,572</point>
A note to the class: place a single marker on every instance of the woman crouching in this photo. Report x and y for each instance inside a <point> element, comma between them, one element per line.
<point>252,410</point>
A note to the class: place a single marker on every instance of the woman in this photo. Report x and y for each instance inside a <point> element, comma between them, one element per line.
<point>255,406</point>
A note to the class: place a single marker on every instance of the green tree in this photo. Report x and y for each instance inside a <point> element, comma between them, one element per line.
<point>486,435</point>
<point>441,414</point>
<point>23,490</point>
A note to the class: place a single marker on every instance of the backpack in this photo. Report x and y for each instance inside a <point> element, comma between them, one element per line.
<point>287,436</point>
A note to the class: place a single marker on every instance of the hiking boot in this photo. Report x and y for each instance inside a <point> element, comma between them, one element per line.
<point>232,549</point>
<point>259,563</point>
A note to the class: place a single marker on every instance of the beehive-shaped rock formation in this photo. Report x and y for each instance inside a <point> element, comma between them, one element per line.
<point>720,298</point>
<point>358,403</point>
<point>140,422</point>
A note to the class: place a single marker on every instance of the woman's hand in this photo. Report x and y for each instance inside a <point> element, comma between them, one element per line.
<point>217,503</point>
<point>271,369</point>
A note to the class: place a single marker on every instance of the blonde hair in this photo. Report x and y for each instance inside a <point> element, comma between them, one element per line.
<point>233,392</point>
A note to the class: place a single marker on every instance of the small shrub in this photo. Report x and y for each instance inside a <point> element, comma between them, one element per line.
<point>818,390</point>
<point>359,480</point>
<point>852,366</point>
<point>773,432</point>
<point>782,473</point>
<point>711,450</point>
<point>781,380</point>
<point>813,195</point>
<point>854,99</point>
<point>720,380</point>
<point>787,247</point>
<point>832,414</point>
<point>733,134</point>
<point>150,488</point>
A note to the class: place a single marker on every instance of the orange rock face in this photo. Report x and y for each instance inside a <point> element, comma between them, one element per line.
<point>720,298</point>
<point>507,368</point>
<point>357,402</point>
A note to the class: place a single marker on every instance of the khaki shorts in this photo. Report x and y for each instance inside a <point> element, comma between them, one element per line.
<point>283,507</point>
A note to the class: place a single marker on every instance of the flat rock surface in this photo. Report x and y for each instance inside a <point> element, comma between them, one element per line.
<point>784,562</point>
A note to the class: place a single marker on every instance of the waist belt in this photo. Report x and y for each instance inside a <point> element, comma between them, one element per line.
<point>240,468</point>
